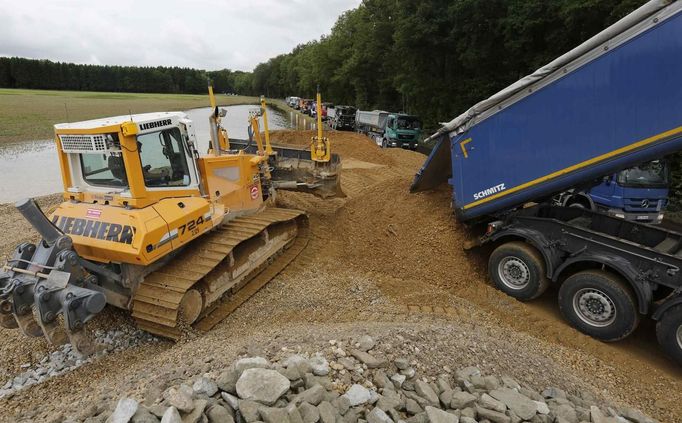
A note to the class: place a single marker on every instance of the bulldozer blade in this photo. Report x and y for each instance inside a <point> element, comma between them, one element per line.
<point>293,169</point>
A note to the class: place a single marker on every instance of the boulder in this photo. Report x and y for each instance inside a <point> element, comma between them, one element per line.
<point>125,410</point>
<point>357,394</point>
<point>425,391</point>
<point>171,416</point>
<point>436,415</point>
<point>365,343</point>
<point>180,398</point>
<point>309,412</point>
<point>251,363</point>
<point>262,385</point>
<point>367,359</point>
<point>205,386</point>
<point>378,416</point>
<point>461,400</point>
<point>522,406</point>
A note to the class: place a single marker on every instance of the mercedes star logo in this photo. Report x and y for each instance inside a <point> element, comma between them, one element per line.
<point>645,203</point>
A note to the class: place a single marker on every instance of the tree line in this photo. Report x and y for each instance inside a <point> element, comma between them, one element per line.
<point>17,72</point>
<point>433,58</point>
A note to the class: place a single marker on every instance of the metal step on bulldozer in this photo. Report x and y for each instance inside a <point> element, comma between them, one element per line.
<point>151,226</point>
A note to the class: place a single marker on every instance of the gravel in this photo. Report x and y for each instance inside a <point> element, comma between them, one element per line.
<point>271,397</point>
<point>387,269</point>
<point>65,359</point>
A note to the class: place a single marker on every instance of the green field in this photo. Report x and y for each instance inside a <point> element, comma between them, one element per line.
<point>30,114</point>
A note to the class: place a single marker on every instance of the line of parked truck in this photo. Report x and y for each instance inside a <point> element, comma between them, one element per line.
<point>387,129</point>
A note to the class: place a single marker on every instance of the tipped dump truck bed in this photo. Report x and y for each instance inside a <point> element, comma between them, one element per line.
<point>611,103</point>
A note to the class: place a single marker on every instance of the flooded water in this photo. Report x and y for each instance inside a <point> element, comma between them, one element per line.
<point>31,168</point>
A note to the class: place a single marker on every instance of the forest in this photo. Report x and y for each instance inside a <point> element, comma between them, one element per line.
<point>433,58</point>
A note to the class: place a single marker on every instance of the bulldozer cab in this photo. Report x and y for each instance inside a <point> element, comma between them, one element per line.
<point>130,161</point>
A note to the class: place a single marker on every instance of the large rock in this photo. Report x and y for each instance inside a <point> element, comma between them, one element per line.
<point>522,406</point>
<point>298,362</point>
<point>205,386</point>
<point>143,415</point>
<point>262,385</point>
<point>231,400</point>
<point>486,401</point>
<point>357,394</point>
<point>249,410</point>
<point>425,391</point>
<point>461,400</point>
<point>328,414</point>
<point>493,416</point>
<point>566,412</point>
<point>309,413</point>
<point>368,359</point>
<point>171,416</point>
<point>227,380</point>
<point>365,343</point>
<point>197,412</point>
<point>313,395</point>
<point>274,415</point>
<point>251,363</point>
<point>180,398</point>
<point>125,410</point>
<point>378,416</point>
<point>219,414</point>
<point>436,415</point>
<point>320,365</point>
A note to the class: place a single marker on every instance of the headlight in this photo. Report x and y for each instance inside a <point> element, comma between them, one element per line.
<point>620,215</point>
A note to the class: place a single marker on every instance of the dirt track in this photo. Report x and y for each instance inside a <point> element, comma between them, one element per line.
<point>381,260</point>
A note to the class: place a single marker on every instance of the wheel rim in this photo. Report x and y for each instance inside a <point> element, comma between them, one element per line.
<point>679,336</point>
<point>594,307</point>
<point>514,273</point>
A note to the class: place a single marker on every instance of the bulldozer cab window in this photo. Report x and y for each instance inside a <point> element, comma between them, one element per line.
<point>163,158</point>
<point>104,170</point>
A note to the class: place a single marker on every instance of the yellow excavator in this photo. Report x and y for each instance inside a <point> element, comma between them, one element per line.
<point>150,225</point>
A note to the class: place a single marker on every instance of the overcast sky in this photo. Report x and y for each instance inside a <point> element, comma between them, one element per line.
<point>204,34</point>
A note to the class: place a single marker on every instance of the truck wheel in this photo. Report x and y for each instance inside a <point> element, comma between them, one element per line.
<point>384,144</point>
<point>518,270</point>
<point>599,304</point>
<point>669,333</point>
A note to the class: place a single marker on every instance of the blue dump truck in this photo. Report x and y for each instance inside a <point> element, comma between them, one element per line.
<point>639,193</point>
<point>612,103</point>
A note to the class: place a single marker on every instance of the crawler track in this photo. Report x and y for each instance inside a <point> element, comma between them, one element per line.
<point>219,271</point>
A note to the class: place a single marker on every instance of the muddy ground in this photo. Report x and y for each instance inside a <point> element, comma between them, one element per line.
<point>380,261</point>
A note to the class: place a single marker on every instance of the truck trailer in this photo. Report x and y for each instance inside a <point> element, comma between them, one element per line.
<point>389,129</point>
<point>610,104</point>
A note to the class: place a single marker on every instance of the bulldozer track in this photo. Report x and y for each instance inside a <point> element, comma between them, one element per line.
<point>158,299</point>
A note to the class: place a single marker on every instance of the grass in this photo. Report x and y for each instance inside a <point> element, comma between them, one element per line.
<point>30,114</point>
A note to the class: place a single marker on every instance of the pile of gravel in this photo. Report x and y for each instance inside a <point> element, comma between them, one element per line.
<point>66,359</point>
<point>358,384</point>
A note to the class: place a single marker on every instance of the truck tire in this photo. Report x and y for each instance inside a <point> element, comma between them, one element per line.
<point>384,144</point>
<point>599,304</point>
<point>669,333</point>
<point>518,270</point>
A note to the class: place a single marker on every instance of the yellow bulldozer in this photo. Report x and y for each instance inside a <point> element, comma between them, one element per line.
<point>150,225</point>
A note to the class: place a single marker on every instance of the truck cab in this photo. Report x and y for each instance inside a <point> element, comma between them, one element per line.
<point>638,193</point>
<point>402,131</point>
<point>344,118</point>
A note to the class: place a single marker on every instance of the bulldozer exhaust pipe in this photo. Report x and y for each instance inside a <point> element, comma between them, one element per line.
<point>32,213</point>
